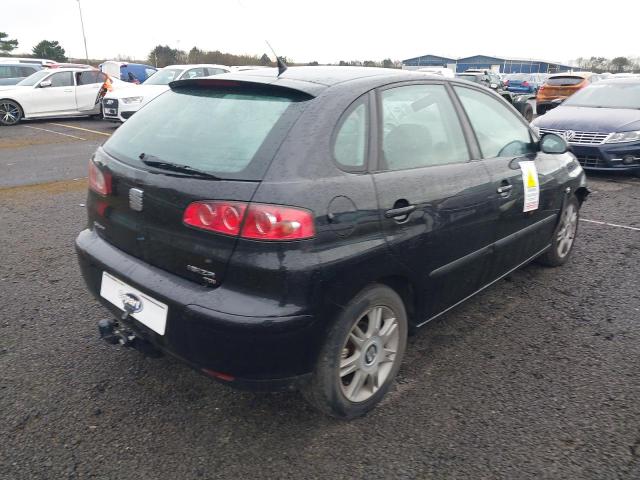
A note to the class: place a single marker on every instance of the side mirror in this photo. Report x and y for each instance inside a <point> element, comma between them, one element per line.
<point>552,143</point>
<point>45,83</point>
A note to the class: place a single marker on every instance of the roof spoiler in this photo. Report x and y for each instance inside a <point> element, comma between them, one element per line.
<point>233,83</point>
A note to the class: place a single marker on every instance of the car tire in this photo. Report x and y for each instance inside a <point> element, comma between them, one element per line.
<point>365,345</point>
<point>564,235</point>
<point>528,113</point>
<point>10,113</point>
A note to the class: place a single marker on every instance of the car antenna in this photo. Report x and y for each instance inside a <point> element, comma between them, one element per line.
<point>282,67</point>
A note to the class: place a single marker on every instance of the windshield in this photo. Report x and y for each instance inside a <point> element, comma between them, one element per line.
<point>607,95</point>
<point>34,78</point>
<point>163,77</point>
<point>230,134</point>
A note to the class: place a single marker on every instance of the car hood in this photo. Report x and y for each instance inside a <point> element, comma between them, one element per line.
<point>587,119</point>
<point>147,91</point>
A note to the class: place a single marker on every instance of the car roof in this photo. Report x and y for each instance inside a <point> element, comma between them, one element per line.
<point>71,69</point>
<point>615,81</point>
<point>312,80</point>
<point>196,65</point>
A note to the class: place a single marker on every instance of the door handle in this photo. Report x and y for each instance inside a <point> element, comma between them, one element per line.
<point>504,189</point>
<point>68,91</point>
<point>399,212</point>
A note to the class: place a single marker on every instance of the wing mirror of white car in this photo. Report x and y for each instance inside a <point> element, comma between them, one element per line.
<point>45,83</point>
<point>552,143</point>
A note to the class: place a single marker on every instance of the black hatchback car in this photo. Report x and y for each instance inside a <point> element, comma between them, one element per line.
<point>290,230</point>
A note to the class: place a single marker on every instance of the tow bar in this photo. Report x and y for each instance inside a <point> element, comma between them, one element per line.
<point>114,333</point>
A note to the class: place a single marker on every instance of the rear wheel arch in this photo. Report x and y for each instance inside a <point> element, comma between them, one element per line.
<point>406,290</point>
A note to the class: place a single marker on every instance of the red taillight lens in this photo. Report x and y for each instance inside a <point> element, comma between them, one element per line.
<point>221,217</point>
<point>506,82</point>
<point>99,181</point>
<point>273,222</point>
<point>525,84</point>
<point>258,221</point>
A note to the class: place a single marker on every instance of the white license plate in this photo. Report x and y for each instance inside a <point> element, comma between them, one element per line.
<point>110,111</point>
<point>146,310</point>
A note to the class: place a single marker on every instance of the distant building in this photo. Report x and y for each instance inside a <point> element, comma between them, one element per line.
<point>485,62</point>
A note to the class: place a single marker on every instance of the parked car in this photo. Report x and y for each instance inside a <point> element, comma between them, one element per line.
<point>602,124</point>
<point>127,72</point>
<point>249,225</point>
<point>525,82</point>
<point>492,81</point>
<point>53,93</point>
<point>120,105</point>
<point>559,87</point>
<point>12,73</point>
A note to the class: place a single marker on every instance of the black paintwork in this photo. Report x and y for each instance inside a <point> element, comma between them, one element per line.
<point>266,318</point>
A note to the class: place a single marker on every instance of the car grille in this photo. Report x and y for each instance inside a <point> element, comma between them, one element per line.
<point>579,138</point>
<point>591,161</point>
<point>110,102</point>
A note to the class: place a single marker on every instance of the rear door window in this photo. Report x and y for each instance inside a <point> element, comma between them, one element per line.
<point>232,134</point>
<point>90,77</point>
<point>7,71</point>
<point>420,128</point>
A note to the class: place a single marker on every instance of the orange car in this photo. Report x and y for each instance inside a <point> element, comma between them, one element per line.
<point>559,87</point>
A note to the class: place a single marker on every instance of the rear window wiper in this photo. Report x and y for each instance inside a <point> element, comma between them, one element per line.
<point>174,167</point>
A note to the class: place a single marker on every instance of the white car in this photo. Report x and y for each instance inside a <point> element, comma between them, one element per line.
<point>57,92</point>
<point>118,106</point>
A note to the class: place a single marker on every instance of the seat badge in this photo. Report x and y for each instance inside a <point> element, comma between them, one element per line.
<point>135,199</point>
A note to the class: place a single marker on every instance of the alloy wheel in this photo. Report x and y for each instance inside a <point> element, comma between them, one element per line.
<point>369,353</point>
<point>567,232</point>
<point>9,113</point>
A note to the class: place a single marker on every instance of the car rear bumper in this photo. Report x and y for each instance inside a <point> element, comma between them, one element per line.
<point>609,157</point>
<point>253,352</point>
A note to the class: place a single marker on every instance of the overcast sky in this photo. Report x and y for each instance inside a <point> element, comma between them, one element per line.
<point>332,30</point>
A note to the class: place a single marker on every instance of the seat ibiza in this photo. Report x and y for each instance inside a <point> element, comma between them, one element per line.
<point>278,231</point>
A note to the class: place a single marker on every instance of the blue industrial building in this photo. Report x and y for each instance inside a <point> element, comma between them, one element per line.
<point>485,62</point>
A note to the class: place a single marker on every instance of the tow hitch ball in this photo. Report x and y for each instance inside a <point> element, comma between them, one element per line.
<point>111,333</point>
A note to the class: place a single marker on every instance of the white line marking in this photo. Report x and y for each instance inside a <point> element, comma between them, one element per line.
<point>611,224</point>
<point>53,131</point>
<point>80,128</point>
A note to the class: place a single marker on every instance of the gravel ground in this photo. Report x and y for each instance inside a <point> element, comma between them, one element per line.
<point>537,377</point>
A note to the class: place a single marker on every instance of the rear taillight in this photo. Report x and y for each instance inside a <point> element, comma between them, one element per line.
<point>256,221</point>
<point>273,222</point>
<point>220,217</point>
<point>525,84</point>
<point>99,181</point>
<point>506,82</point>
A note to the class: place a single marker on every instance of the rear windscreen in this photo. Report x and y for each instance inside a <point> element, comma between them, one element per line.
<point>564,81</point>
<point>231,134</point>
